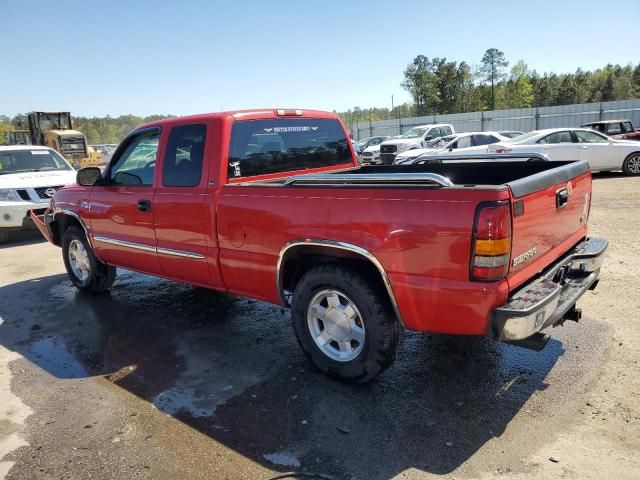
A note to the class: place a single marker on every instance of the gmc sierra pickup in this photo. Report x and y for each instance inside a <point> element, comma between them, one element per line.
<point>272,204</point>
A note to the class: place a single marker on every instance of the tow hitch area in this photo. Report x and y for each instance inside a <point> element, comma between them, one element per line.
<point>536,342</point>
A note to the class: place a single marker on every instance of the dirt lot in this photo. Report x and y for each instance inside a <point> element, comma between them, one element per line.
<point>163,381</point>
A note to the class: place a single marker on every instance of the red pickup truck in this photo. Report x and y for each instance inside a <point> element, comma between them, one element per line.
<point>272,204</point>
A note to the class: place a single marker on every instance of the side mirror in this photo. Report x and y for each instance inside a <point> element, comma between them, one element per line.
<point>89,176</point>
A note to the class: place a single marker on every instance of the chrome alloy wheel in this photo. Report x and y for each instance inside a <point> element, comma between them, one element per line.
<point>633,165</point>
<point>336,325</point>
<point>79,260</point>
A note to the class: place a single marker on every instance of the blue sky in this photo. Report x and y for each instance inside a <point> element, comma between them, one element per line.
<point>181,57</point>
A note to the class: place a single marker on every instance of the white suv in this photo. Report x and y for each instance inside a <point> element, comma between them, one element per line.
<point>413,139</point>
<point>29,176</point>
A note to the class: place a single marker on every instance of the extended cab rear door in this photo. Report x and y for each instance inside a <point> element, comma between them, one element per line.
<point>183,218</point>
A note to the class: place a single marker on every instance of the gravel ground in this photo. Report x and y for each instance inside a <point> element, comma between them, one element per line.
<point>162,381</point>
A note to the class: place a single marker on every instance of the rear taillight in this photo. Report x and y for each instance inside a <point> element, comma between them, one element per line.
<point>491,247</point>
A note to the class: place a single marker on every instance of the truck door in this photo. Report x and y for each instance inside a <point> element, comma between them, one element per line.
<point>121,210</point>
<point>183,217</point>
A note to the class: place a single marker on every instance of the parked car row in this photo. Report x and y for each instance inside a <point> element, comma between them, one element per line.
<point>614,150</point>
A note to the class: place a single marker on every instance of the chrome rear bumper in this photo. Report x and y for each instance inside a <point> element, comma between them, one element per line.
<point>545,301</point>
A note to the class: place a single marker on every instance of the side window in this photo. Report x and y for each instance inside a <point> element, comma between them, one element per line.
<point>589,137</point>
<point>445,130</point>
<point>557,137</point>
<point>464,142</point>
<point>183,159</point>
<point>375,141</point>
<point>628,127</point>
<point>483,139</point>
<point>614,129</point>
<point>434,133</point>
<point>137,162</point>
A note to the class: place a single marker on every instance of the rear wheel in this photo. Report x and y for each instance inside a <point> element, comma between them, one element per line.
<point>344,324</point>
<point>85,271</point>
<point>631,165</point>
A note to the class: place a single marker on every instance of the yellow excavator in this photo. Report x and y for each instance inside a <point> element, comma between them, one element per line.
<point>54,130</point>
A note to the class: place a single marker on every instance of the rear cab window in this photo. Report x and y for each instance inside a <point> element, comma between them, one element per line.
<point>262,147</point>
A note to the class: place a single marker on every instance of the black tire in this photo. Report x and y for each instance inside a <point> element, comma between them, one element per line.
<point>4,236</point>
<point>383,330</point>
<point>630,165</point>
<point>100,276</point>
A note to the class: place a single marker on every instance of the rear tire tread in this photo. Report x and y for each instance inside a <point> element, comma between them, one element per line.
<point>382,327</point>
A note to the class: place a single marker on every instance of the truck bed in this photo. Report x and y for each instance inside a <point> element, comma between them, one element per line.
<point>521,177</point>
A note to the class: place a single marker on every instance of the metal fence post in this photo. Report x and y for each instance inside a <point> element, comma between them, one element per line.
<point>370,129</point>
<point>537,119</point>
<point>482,121</point>
<point>601,116</point>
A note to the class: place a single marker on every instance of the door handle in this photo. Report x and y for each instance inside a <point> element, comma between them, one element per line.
<point>584,146</point>
<point>562,197</point>
<point>144,205</point>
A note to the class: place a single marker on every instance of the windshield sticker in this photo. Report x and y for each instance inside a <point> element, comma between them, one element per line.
<point>39,152</point>
<point>304,128</point>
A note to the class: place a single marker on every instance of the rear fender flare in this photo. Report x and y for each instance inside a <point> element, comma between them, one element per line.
<point>336,245</point>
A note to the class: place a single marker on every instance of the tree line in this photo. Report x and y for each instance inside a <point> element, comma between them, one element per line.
<point>98,130</point>
<point>438,86</point>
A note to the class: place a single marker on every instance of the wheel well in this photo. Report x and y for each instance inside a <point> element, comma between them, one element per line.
<point>64,221</point>
<point>298,260</point>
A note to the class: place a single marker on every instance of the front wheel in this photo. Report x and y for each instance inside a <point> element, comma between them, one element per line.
<point>631,165</point>
<point>344,324</point>
<point>85,271</point>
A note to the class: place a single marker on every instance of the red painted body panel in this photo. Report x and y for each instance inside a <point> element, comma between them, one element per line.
<point>421,237</point>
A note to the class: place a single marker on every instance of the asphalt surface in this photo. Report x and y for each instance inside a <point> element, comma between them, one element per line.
<point>161,380</point>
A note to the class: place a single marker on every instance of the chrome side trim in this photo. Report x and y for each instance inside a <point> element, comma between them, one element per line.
<point>149,248</point>
<point>123,243</point>
<point>368,179</point>
<point>180,253</point>
<point>309,242</point>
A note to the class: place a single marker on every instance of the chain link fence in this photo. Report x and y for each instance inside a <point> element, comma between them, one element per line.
<point>522,119</point>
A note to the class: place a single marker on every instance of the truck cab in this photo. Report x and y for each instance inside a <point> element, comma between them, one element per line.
<point>413,139</point>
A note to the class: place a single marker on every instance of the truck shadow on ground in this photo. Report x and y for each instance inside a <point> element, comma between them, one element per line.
<point>231,368</point>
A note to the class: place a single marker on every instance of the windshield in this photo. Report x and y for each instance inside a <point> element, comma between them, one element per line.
<point>523,137</point>
<point>16,161</point>
<point>415,132</point>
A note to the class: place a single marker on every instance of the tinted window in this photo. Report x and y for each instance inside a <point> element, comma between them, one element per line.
<point>589,137</point>
<point>557,137</point>
<point>138,161</point>
<point>614,129</point>
<point>445,130</point>
<point>272,146</point>
<point>434,133</point>
<point>183,158</point>
<point>484,139</point>
<point>628,127</point>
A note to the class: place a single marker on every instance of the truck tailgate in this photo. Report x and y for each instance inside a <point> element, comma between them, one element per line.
<point>550,212</point>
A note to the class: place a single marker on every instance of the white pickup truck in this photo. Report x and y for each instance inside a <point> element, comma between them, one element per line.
<point>29,176</point>
<point>413,139</point>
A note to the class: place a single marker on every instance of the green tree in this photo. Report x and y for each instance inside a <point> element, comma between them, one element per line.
<point>493,65</point>
<point>419,81</point>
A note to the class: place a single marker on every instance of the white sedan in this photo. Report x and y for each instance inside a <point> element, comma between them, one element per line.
<point>470,142</point>
<point>602,152</point>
